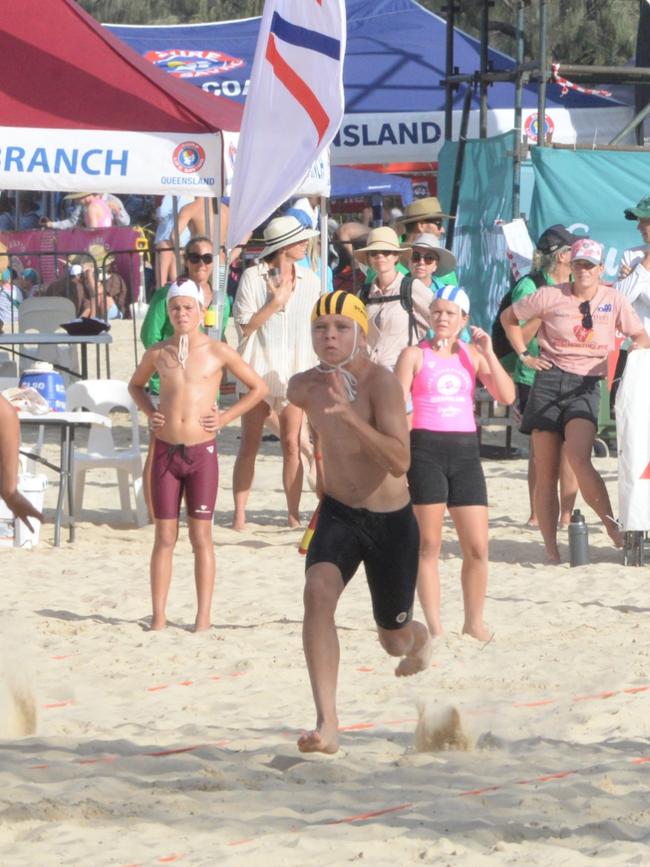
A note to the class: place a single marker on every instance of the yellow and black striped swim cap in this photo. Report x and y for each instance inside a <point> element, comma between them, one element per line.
<point>341,303</point>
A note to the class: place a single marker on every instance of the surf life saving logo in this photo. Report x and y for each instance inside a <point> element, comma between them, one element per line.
<point>188,157</point>
<point>193,64</point>
<point>531,127</point>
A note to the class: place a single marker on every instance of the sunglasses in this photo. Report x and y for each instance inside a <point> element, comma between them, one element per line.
<point>382,253</point>
<point>428,258</point>
<point>195,258</point>
<point>436,221</point>
<point>585,310</point>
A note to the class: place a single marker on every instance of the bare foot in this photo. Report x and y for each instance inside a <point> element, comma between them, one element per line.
<point>614,533</point>
<point>293,522</point>
<point>324,739</point>
<point>201,624</point>
<point>157,623</point>
<point>532,521</point>
<point>480,631</point>
<point>416,661</point>
<point>552,555</point>
<point>238,524</point>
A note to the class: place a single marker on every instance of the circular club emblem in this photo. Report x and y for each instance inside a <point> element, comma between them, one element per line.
<point>449,383</point>
<point>531,127</point>
<point>188,157</point>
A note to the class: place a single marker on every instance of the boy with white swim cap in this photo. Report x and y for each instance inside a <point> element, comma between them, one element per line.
<point>190,365</point>
<point>357,415</point>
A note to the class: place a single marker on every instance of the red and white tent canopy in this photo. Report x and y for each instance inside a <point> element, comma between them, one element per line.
<point>84,112</point>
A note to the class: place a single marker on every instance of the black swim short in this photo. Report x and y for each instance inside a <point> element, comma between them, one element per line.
<point>387,543</point>
<point>446,468</point>
<point>557,397</point>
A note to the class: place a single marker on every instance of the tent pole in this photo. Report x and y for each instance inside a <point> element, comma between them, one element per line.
<point>177,240</point>
<point>543,72</point>
<point>516,160</point>
<point>483,55</point>
<point>450,9</point>
<point>636,121</point>
<point>218,290</point>
<point>458,167</point>
<point>324,245</point>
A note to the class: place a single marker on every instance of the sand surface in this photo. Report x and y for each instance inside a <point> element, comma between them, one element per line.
<point>142,748</point>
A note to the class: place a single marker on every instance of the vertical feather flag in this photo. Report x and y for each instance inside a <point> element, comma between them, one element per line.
<point>293,109</point>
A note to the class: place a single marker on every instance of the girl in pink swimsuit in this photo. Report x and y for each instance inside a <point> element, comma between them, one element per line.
<point>439,377</point>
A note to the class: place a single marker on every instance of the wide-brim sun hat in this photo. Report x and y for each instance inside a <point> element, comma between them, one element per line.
<point>71,196</point>
<point>383,239</point>
<point>283,232</point>
<point>446,259</point>
<point>641,212</point>
<point>422,211</point>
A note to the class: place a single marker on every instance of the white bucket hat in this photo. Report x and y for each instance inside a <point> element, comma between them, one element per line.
<point>282,232</point>
<point>446,260</point>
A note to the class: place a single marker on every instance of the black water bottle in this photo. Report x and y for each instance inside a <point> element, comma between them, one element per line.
<point>578,540</point>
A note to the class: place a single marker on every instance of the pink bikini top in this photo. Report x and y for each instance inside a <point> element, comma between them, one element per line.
<point>443,392</point>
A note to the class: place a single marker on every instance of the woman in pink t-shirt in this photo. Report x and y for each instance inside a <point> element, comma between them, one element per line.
<point>578,323</point>
<point>439,376</point>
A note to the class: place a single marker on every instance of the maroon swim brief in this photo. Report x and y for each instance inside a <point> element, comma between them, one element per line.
<point>189,470</point>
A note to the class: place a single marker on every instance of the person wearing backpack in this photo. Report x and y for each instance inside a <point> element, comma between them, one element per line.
<point>551,265</point>
<point>398,305</point>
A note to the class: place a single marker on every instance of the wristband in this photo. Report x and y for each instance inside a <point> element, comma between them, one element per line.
<point>524,355</point>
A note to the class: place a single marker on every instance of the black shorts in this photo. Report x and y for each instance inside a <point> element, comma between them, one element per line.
<point>557,397</point>
<point>387,543</point>
<point>446,468</point>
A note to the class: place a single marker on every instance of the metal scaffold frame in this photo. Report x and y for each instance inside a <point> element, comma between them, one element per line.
<point>523,73</point>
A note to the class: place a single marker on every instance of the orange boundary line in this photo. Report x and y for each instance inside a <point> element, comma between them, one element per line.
<point>361,817</point>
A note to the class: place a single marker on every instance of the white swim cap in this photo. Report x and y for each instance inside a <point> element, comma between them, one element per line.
<point>454,294</point>
<point>187,288</point>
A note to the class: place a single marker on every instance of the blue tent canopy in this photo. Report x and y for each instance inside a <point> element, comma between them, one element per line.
<point>347,182</point>
<point>394,62</point>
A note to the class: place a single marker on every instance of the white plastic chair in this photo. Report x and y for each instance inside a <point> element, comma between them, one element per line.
<point>45,315</point>
<point>102,396</point>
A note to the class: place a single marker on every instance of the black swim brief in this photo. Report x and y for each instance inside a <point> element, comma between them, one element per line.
<point>387,543</point>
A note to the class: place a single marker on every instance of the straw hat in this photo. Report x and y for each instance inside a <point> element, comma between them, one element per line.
<point>71,196</point>
<point>384,239</point>
<point>422,210</point>
<point>446,260</point>
<point>282,232</point>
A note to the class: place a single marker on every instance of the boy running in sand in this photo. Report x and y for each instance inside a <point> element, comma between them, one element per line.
<point>356,410</point>
<point>190,365</point>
